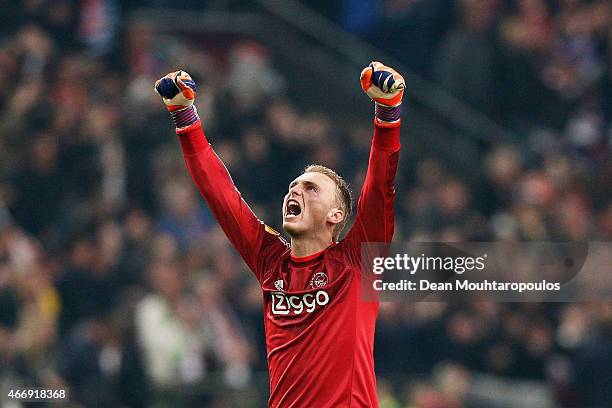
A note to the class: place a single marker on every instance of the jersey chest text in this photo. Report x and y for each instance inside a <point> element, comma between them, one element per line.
<point>296,304</point>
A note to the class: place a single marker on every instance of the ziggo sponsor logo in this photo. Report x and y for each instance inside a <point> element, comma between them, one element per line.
<point>283,304</point>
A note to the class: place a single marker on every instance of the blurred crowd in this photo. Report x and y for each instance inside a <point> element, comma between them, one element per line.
<point>116,281</point>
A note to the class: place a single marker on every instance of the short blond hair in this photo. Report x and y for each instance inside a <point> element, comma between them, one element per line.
<point>344,195</point>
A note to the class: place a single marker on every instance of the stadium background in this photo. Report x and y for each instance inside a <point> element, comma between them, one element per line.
<point>116,282</point>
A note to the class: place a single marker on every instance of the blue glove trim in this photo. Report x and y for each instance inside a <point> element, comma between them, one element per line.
<point>387,113</point>
<point>185,117</point>
<point>167,88</point>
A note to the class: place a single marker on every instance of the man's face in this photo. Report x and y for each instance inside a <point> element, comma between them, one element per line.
<point>310,205</point>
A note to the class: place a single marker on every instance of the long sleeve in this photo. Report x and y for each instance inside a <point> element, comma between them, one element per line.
<point>375,212</point>
<point>249,235</point>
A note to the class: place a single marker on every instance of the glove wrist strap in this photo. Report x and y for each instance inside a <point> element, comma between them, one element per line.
<point>185,117</point>
<point>388,114</point>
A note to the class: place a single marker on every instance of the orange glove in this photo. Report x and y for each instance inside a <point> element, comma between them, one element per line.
<point>178,91</point>
<point>385,86</point>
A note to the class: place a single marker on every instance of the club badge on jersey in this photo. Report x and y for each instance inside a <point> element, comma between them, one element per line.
<point>318,280</point>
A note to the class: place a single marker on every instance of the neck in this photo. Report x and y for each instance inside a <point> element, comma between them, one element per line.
<point>301,247</point>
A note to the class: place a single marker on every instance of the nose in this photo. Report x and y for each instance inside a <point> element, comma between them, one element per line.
<point>295,191</point>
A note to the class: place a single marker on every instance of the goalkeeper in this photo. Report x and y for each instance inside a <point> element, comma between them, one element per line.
<point>319,333</point>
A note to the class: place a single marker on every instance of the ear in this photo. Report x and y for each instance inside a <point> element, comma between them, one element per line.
<point>335,216</point>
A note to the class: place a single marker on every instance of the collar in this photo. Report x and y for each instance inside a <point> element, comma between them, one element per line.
<point>307,258</point>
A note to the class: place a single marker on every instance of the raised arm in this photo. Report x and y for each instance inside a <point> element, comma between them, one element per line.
<point>375,209</point>
<point>250,236</point>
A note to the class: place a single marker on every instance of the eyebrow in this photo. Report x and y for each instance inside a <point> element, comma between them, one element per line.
<point>306,182</point>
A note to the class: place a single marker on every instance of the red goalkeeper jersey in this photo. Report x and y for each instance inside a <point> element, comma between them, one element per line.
<point>319,332</point>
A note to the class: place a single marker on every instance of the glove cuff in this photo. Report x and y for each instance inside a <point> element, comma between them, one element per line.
<point>185,117</point>
<point>389,114</point>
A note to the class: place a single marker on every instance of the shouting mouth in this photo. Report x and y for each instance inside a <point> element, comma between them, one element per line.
<point>293,208</point>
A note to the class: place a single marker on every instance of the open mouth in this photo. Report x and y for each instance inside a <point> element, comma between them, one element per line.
<point>293,208</point>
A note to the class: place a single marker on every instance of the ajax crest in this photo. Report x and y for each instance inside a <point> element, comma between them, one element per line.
<point>318,280</point>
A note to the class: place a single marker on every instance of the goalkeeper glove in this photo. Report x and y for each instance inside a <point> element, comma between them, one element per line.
<point>178,91</point>
<point>385,86</point>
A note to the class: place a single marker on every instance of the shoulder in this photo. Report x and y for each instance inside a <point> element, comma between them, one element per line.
<point>344,250</point>
<point>274,249</point>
